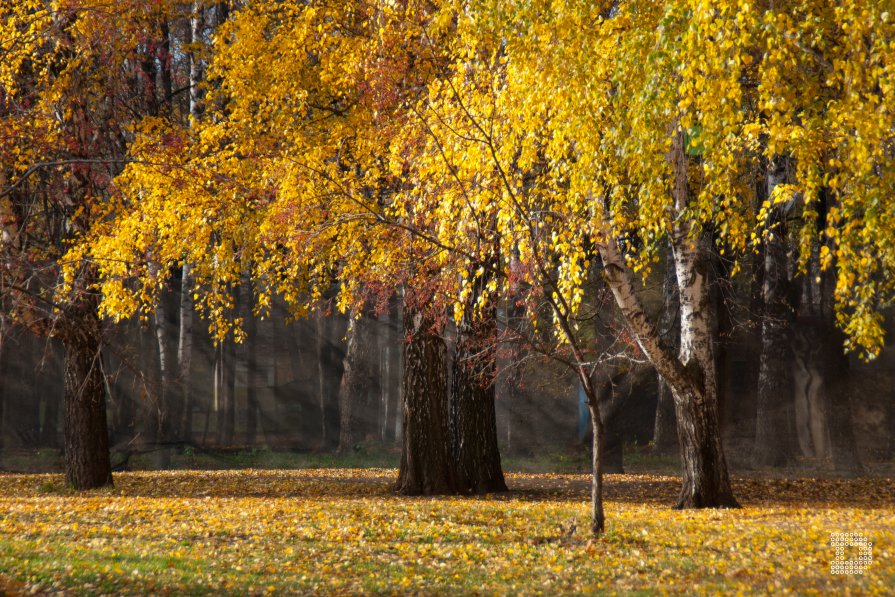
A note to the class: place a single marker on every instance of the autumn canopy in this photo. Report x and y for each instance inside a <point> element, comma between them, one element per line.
<point>467,154</point>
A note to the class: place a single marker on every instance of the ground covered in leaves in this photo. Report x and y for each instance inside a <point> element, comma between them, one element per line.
<point>343,531</point>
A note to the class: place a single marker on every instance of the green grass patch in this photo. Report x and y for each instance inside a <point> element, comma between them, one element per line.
<point>338,531</point>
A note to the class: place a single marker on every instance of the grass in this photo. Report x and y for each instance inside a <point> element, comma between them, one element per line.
<point>342,531</point>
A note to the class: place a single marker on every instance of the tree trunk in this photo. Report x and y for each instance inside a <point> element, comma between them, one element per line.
<point>185,355</point>
<point>353,389</point>
<point>322,390</point>
<point>87,462</point>
<point>2,388</point>
<point>228,418</point>
<point>426,467</point>
<point>251,359</point>
<point>690,375</point>
<point>705,483</point>
<point>835,371</point>
<point>393,378</point>
<point>473,421</point>
<point>774,423</point>
<point>597,515</point>
<point>665,439</point>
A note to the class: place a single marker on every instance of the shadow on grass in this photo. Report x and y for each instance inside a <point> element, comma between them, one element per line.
<point>326,483</point>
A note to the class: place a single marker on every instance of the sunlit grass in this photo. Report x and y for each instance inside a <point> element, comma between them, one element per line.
<point>343,531</point>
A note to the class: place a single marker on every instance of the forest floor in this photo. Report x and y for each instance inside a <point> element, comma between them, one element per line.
<point>343,531</point>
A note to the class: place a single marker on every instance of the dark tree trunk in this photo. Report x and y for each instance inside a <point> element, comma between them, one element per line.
<point>774,423</point>
<point>473,422</point>
<point>354,386</point>
<point>721,290</point>
<point>392,373</point>
<point>597,515</point>
<point>330,331</point>
<point>2,389</point>
<point>835,370</point>
<point>162,432</point>
<point>87,462</point>
<point>665,440</point>
<point>229,415</point>
<point>426,467</point>
<point>251,351</point>
<point>322,389</point>
<point>185,356</point>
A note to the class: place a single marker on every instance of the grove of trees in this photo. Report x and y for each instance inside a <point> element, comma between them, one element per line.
<point>515,174</point>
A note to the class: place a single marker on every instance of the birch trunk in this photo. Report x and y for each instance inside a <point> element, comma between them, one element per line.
<point>691,373</point>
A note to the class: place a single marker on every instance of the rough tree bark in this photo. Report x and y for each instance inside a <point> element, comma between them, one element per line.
<point>690,374</point>
<point>774,424</point>
<point>87,462</point>
<point>473,421</point>
<point>2,387</point>
<point>426,467</point>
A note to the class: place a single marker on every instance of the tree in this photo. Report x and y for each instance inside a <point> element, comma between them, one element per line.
<point>460,149</point>
<point>74,79</point>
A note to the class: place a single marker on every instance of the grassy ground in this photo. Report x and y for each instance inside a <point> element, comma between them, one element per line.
<point>342,531</point>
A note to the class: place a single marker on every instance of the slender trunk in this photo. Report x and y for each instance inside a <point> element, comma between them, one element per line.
<point>185,355</point>
<point>721,289</point>
<point>322,389</point>
<point>166,60</point>
<point>87,462</point>
<point>229,402</point>
<point>162,397</point>
<point>426,467</point>
<point>251,351</point>
<point>392,380</point>
<point>353,389</point>
<point>398,373</point>
<point>774,423</point>
<point>473,421</point>
<point>597,515</point>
